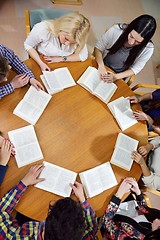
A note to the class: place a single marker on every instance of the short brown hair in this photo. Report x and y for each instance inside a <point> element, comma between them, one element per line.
<point>4,68</point>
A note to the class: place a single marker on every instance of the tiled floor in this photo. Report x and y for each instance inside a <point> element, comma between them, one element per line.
<point>101,13</point>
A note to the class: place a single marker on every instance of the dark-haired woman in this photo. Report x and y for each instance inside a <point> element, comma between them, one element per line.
<point>129,220</point>
<point>150,103</point>
<point>125,48</point>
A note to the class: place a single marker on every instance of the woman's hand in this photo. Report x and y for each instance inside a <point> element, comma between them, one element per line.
<point>36,84</point>
<point>134,185</point>
<point>123,188</point>
<point>144,150</point>
<point>139,115</point>
<point>137,158</point>
<point>78,191</point>
<point>44,67</point>
<point>133,99</point>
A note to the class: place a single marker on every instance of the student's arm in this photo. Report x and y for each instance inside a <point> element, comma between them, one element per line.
<point>6,90</point>
<point>99,59</point>
<point>12,197</point>
<point>34,54</point>
<point>140,160</point>
<point>108,219</point>
<point>145,97</point>
<point>89,214</point>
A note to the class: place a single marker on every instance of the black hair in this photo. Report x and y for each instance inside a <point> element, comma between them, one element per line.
<point>4,68</point>
<point>154,235</point>
<point>65,220</point>
<point>153,104</point>
<point>145,25</point>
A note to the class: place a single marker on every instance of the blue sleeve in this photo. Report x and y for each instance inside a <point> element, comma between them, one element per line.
<point>3,170</point>
<point>156,94</point>
<point>17,65</point>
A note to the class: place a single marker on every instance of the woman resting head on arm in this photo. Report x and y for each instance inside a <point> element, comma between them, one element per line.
<point>125,48</point>
<point>58,40</point>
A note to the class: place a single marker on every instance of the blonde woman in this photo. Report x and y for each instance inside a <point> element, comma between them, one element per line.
<point>59,40</point>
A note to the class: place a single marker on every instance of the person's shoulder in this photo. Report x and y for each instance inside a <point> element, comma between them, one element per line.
<point>41,25</point>
<point>150,44</point>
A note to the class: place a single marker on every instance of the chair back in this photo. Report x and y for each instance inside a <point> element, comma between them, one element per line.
<point>38,15</point>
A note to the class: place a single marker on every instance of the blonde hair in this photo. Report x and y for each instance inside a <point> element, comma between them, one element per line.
<point>74,24</point>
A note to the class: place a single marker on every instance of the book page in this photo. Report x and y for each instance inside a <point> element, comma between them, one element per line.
<point>39,99</point>
<point>127,143</point>
<point>49,90</point>
<point>107,176</point>
<point>32,105</point>
<point>57,180</point>
<point>124,146</point>
<point>26,145</point>
<point>98,179</point>
<point>91,182</point>
<point>124,119</point>
<point>117,102</point>
<point>122,159</point>
<point>90,79</point>
<point>105,91</point>
<point>52,81</point>
<point>64,77</point>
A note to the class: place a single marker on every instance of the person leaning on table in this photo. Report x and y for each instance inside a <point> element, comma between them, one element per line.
<point>151,169</point>
<point>125,48</point>
<point>25,76</point>
<point>150,103</point>
<point>67,219</point>
<point>131,219</point>
<point>59,40</point>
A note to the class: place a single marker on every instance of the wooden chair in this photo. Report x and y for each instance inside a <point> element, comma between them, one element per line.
<point>149,190</point>
<point>37,15</point>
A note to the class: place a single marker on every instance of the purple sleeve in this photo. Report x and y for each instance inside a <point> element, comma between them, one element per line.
<point>156,94</point>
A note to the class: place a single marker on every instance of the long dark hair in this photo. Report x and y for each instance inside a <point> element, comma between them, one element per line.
<point>153,104</point>
<point>145,25</point>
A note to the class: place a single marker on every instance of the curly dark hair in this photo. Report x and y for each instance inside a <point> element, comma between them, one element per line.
<point>153,104</point>
<point>4,68</point>
<point>65,220</point>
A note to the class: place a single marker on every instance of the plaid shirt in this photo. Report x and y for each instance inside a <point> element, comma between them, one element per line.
<point>16,64</point>
<point>10,229</point>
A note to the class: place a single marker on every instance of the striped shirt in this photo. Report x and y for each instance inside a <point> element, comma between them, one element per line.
<point>10,229</point>
<point>16,64</point>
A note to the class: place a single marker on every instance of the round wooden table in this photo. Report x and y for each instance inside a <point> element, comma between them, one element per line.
<point>76,131</point>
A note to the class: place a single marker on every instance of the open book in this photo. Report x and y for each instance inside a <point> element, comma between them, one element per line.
<point>57,180</point>
<point>26,145</point>
<point>124,146</point>
<point>92,82</point>
<point>98,179</point>
<point>32,105</point>
<point>57,80</point>
<point>121,110</point>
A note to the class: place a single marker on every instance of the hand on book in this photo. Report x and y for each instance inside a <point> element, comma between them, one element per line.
<point>7,149</point>
<point>36,84</point>
<point>137,158</point>
<point>133,99</point>
<point>31,177</point>
<point>78,191</point>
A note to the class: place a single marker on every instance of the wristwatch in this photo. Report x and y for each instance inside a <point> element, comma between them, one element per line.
<point>64,58</point>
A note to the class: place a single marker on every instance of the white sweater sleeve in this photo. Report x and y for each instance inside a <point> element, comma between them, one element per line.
<point>83,54</point>
<point>152,181</point>
<point>143,58</point>
<point>38,34</point>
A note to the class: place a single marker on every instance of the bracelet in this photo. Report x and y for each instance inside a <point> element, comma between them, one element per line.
<point>64,58</point>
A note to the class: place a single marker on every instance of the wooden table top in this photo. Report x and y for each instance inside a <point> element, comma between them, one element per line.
<point>76,131</point>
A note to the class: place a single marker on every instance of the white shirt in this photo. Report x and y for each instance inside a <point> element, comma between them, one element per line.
<point>153,181</point>
<point>47,44</point>
<point>110,37</point>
